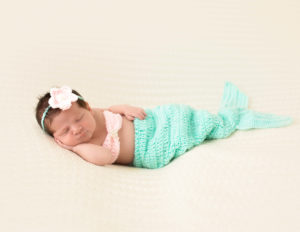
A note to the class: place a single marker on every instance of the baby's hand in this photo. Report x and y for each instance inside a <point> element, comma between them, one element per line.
<point>63,145</point>
<point>131,112</point>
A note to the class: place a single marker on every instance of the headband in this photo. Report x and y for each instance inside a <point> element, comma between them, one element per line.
<point>61,98</point>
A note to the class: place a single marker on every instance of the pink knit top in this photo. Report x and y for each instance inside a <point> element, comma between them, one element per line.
<point>113,125</point>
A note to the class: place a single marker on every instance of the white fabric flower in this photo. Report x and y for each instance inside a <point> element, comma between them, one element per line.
<point>62,98</point>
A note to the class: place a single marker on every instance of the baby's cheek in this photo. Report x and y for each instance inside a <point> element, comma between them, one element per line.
<point>69,139</point>
<point>91,125</point>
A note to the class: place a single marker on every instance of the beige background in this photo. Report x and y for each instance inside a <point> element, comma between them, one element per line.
<point>147,53</point>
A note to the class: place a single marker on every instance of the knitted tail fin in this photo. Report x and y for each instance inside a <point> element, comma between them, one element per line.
<point>233,98</point>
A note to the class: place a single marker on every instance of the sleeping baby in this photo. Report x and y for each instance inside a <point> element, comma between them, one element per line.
<point>150,138</point>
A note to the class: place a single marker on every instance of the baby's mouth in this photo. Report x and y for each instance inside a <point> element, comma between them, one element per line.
<point>82,134</point>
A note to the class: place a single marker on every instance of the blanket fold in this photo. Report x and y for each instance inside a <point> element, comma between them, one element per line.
<point>170,130</point>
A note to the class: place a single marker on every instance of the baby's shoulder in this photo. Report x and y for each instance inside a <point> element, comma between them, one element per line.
<point>99,110</point>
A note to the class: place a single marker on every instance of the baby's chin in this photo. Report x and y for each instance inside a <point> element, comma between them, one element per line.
<point>79,142</point>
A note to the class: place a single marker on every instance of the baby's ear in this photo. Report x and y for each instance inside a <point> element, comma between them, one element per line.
<point>88,107</point>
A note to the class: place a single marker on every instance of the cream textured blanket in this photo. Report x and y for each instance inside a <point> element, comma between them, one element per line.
<point>150,53</point>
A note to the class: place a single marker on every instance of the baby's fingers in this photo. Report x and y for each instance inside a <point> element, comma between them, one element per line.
<point>142,116</point>
<point>63,145</point>
<point>144,113</point>
<point>129,117</point>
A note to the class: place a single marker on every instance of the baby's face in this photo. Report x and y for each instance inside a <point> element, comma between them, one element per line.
<point>74,126</point>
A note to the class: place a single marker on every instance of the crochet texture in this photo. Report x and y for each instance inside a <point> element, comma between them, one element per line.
<point>168,131</point>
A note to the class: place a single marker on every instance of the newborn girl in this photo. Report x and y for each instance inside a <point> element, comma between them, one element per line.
<point>150,138</point>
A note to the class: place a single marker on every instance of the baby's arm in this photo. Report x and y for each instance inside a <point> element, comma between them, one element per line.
<point>94,153</point>
<point>130,112</point>
<point>90,152</point>
<point>118,109</point>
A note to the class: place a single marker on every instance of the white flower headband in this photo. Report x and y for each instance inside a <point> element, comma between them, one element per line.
<point>61,98</point>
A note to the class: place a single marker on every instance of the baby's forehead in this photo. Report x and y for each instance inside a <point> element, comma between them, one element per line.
<point>65,116</point>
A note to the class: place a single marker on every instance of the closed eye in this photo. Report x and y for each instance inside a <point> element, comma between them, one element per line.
<point>79,118</point>
<point>65,131</point>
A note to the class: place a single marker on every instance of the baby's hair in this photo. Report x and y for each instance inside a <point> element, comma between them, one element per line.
<point>42,106</point>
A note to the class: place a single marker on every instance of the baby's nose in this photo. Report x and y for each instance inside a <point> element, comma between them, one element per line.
<point>77,130</point>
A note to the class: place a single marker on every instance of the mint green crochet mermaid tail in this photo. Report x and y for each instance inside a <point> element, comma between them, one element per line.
<point>168,131</point>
